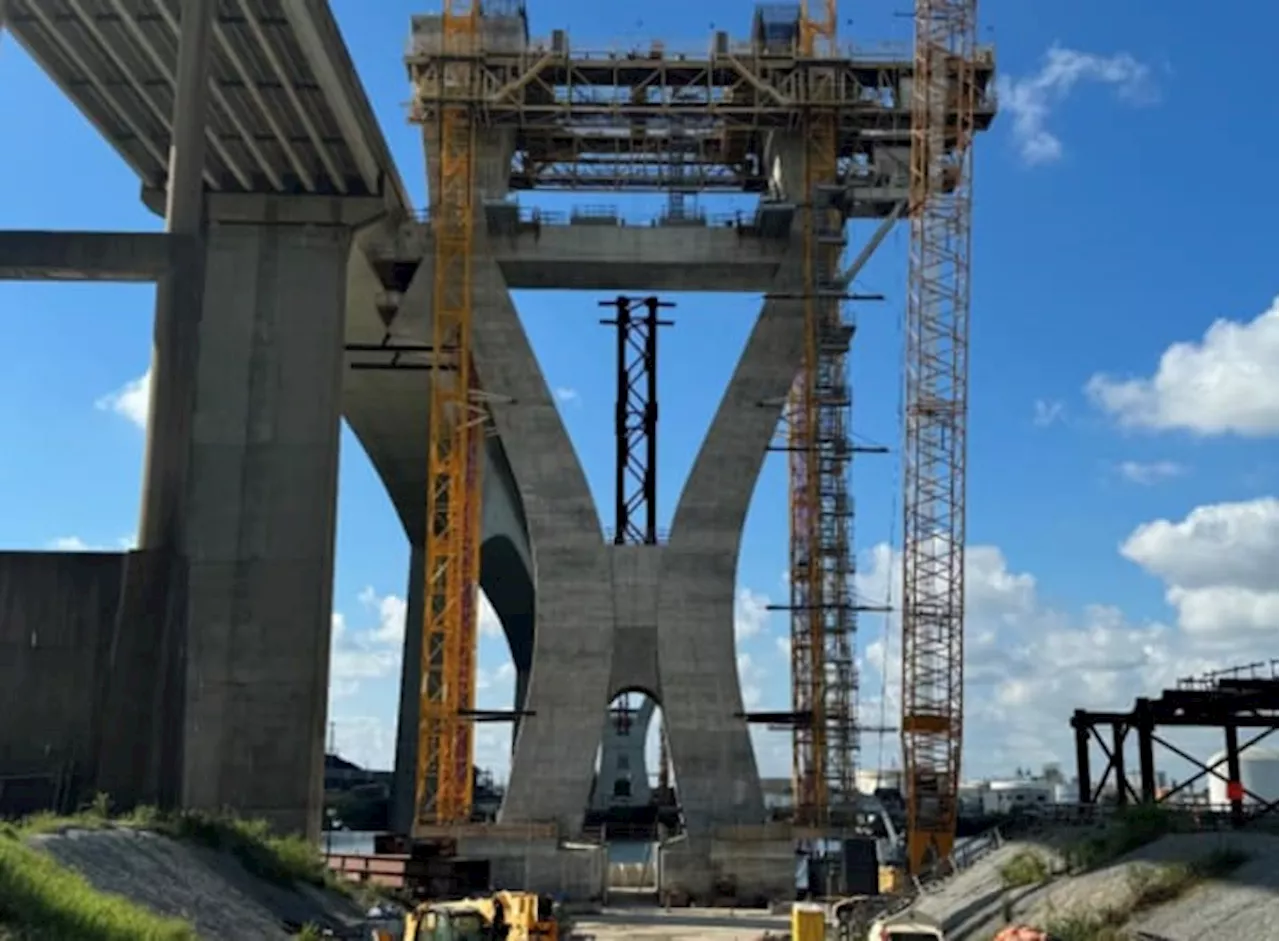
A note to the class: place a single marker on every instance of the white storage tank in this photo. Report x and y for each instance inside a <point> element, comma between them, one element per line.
<point>1258,773</point>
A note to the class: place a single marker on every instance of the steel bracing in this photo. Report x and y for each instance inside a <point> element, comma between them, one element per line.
<point>600,120</point>
<point>445,733</point>
<point>636,419</point>
<point>944,103</point>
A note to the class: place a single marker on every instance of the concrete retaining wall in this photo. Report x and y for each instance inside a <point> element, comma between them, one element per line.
<point>709,871</point>
<point>65,678</point>
<point>55,613</point>
<point>571,873</point>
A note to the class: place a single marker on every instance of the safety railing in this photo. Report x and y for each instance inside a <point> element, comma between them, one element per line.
<point>609,216</point>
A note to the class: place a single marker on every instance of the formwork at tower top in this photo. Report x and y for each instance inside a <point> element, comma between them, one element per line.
<point>657,119</point>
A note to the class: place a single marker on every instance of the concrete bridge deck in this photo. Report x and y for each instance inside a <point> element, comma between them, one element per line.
<point>287,113</point>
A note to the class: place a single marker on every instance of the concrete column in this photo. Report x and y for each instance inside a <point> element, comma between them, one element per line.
<point>261,511</point>
<point>403,781</point>
<point>178,295</point>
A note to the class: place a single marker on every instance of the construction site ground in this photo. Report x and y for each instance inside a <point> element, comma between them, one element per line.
<point>1243,904</point>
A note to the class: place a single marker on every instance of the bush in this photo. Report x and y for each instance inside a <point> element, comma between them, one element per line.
<point>1027,868</point>
<point>279,859</point>
<point>1130,829</point>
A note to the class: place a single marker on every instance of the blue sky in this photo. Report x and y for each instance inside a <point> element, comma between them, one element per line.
<point>1111,232</point>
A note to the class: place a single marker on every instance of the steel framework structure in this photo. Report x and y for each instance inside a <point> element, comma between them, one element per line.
<point>943,108</point>
<point>636,419</point>
<point>823,679</point>
<point>445,733</point>
<point>600,121</point>
<point>1229,700</point>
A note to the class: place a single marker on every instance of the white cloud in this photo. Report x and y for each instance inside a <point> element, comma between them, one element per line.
<point>1150,472</point>
<point>1028,664</point>
<point>369,741</point>
<point>566,394</point>
<point>375,652</point>
<point>1031,99</point>
<point>130,401</point>
<point>369,653</point>
<point>1221,569</point>
<point>76,544</point>
<point>750,677</point>
<point>1046,413</point>
<point>488,623</point>
<point>750,613</point>
<point>1227,382</point>
<point>70,544</point>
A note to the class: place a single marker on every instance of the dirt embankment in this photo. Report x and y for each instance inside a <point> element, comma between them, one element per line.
<point>207,888</point>
<point>975,904</point>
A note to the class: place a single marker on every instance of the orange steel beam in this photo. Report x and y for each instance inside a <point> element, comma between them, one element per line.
<point>936,403</point>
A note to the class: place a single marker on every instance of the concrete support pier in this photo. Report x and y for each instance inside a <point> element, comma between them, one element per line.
<point>261,512</point>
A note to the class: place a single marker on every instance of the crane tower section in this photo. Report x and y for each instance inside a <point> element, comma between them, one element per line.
<point>823,681</point>
<point>444,107</point>
<point>944,101</point>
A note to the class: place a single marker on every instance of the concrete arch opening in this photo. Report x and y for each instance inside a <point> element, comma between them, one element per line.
<point>633,790</point>
<point>634,803</point>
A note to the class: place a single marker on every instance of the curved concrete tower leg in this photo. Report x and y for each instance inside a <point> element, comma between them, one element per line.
<point>573,622</point>
<point>715,767</point>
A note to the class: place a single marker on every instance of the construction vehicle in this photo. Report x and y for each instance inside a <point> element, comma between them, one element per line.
<point>906,926</point>
<point>503,916</point>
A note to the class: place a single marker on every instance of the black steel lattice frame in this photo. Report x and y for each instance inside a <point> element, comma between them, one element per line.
<point>601,121</point>
<point>636,418</point>
<point>1227,703</point>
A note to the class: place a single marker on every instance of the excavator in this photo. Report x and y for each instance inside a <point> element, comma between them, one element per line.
<point>503,916</point>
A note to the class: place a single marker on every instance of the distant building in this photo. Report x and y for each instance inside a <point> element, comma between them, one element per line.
<point>341,775</point>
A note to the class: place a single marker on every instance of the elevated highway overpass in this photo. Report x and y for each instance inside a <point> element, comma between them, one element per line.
<point>295,168</point>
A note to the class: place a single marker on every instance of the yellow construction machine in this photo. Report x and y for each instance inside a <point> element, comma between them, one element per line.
<point>503,916</point>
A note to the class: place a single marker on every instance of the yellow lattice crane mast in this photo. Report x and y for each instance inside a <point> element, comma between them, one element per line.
<point>943,102</point>
<point>823,684</point>
<point>445,107</point>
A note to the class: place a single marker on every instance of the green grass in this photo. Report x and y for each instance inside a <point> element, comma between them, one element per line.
<point>279,859</point>
<point>41,900</point>
<point>1027,868</point>
<point>1149,887</point>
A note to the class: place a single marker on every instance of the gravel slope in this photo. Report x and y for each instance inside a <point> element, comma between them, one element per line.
<point>1244,905</point>
<point>209,889</point>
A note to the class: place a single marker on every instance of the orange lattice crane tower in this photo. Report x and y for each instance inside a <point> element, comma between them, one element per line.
<point>445,108</point>
<point>943,102</point>
<point>823,682</point>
